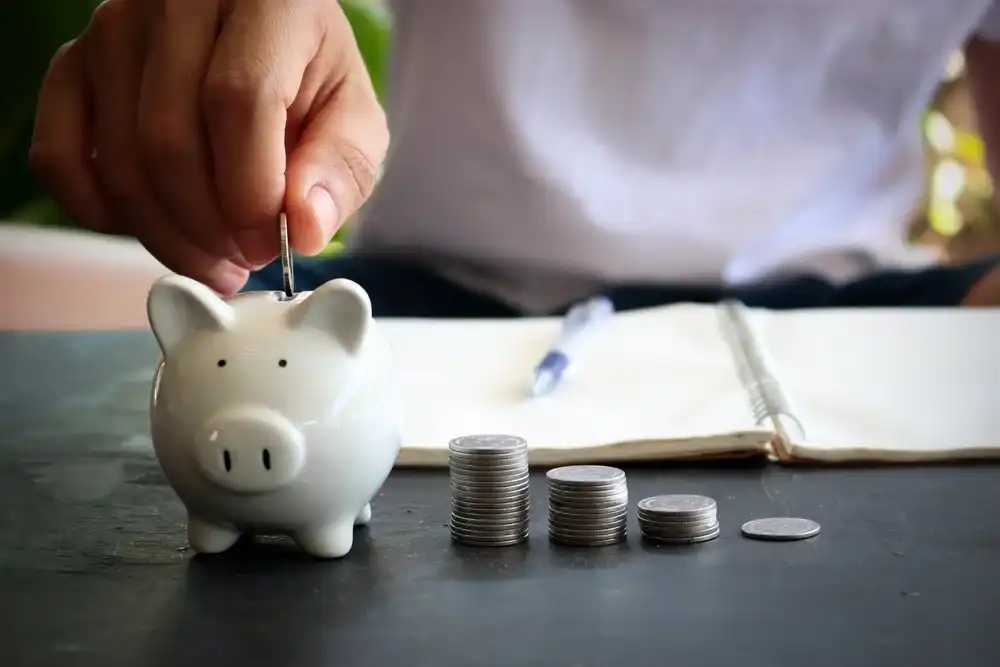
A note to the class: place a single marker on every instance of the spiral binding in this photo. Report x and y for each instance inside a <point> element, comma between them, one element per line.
<point>767,400</point>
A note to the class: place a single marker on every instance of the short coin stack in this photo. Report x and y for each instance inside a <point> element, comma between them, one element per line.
<point>490,489</point>
<point>588,505</point>
<point>678,519</point>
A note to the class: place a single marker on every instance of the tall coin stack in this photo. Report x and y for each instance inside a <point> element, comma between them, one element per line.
<point>588,505</point>
<point>490,489</point>
<point>678,519</point>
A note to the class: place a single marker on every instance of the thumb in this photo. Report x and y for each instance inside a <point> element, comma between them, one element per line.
<point>333,168</point>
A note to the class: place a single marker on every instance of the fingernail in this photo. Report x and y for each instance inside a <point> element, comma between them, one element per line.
<point>324,209</point>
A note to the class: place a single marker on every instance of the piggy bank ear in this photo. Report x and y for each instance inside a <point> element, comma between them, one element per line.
<point>340,308</point>
<point>177,306</point>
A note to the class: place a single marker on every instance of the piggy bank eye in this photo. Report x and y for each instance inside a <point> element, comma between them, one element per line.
<point>282,363</point>
<point>222,362</point>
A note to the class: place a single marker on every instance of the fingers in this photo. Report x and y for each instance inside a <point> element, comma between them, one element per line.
<point>333,170</point>
<point>61,146</point>
<point>259,62</point>
<point>115,48</point>
<point>172,139</point>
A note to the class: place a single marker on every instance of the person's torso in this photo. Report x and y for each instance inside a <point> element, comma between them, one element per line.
<point>542,148</point>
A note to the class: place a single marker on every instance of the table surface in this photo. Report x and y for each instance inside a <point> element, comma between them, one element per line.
<point>94,568</point>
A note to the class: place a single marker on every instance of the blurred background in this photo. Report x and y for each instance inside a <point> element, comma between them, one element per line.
<point>956,216</point>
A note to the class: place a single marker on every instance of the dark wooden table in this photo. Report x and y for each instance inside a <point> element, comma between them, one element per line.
<point>94,568</point>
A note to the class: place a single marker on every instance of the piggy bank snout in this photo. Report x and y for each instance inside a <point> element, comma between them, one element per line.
<point>250,450</point>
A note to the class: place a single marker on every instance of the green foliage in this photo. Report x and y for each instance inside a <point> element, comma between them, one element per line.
<point>30,33</point>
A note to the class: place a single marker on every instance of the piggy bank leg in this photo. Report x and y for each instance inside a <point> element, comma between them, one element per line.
<point>210,538</point>
<point>364,516</point>
<point>330,541</point>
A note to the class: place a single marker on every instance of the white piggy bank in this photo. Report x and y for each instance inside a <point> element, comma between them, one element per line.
<point>272,415</point>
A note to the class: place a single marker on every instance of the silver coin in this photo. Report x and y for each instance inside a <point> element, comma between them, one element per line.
<point>592,509</point>
<point>676,505</point>
<point>490,515</point>
<point>685,529</point>
<point>586,532</point>
<point>678,524</point>
<point>511,484</point>
<point>287,270</point>
<point>475,542</point>
<point>590,531</point>
<point>485,459</point>
<point>498,532</point>
<point>585,475</point>
<point>615,496</point>
<point>683,521</point>
<point>700,532</point>
<point>487,477</point>
<point>500,467</point>
<point>480,494</point>
<point>601,542</point>
<point>489,535</point>
<point>491,502</point>
<point>585,491</point>
<point>580,515</point>
<point>496,503</point>
<point>780,529</point>
<point>556,520</point>
<point>615,515</point>
<point>489,464</point>
<point>490,486</point>
<point>491,443</point>
<point>487,522</point>
<point>656,539</point>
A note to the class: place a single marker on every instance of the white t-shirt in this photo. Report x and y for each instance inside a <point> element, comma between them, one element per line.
<point>542,149</point>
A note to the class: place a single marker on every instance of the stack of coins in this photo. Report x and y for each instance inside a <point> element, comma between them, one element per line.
<point>588,505</point>
<point>678,519</point>
<point>490,489</point>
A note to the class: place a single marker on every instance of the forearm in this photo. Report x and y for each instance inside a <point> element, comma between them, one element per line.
<point>983,74</point>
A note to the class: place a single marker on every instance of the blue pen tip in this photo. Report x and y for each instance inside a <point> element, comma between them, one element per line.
<point>545,382</point>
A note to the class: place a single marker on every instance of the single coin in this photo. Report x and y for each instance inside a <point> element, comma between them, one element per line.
<point>489,443</point>
<point>476,542</point>
<point>679,523</point>
<point>586,534</point>
<point>487,477</point>
<point>701,532</point>
<point>488,467</point>
<point>780,529</point>
<point>481,461</point>
<point>614,496</point>
<point>585,475</point>
<point>588,525</point>
<point>490,513</point>
<point>487,493</point>
<point>657,539</point>
<point>490,535</point>
<point>676,505</point>
<point>602,542</point>
<point>492,502</point>
<point>287,270</point>
<point>584,515</point>
<point>473,523</point>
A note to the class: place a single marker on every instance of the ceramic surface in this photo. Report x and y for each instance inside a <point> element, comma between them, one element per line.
<point>273,415</point>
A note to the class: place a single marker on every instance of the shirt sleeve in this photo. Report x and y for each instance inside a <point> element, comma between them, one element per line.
<point>989,25</point>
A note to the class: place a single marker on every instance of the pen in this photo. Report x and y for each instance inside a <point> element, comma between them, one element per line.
<point>582,321</point>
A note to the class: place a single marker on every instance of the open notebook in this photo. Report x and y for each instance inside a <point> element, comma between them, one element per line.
<point>711,381</point>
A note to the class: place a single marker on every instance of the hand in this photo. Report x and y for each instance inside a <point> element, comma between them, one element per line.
<point>190,124</point>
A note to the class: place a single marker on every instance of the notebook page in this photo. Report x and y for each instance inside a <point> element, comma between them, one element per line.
<point>888,385</point>
<point>658,384</point>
